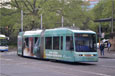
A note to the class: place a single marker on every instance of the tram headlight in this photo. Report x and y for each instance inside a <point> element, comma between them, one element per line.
<point>80,54</point>
<point>94,54</point>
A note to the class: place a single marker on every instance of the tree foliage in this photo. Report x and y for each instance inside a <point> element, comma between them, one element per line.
<point>104,10</point>
<point>73,11</point>
<point>52,11</point>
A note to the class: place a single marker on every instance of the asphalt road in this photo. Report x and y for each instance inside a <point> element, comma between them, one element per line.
<point>13,65</point>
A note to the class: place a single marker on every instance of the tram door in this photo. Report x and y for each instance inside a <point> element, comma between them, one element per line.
<point>36,49</point>
<point>69,48</point>
<point>28,46</point>
<point>31,46</point>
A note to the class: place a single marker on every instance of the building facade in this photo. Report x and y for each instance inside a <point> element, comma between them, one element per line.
<point>5,6</point>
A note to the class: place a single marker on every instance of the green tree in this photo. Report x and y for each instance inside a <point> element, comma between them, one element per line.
<point>9,20</point>
<point>52,11</point>
<point>73,11</point>
<point>104,10</point>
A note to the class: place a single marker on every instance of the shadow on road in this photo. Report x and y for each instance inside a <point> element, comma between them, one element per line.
<point>65,62</point>
<point>76,63</point>
<point>107,57</point>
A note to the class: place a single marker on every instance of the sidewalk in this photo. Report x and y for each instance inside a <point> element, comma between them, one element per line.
<point>110,55</point>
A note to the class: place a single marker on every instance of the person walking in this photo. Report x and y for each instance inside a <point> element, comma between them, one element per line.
<point>102,49</point>
<point>108,46</point>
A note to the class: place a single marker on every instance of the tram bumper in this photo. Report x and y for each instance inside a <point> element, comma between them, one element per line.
<point>86,57</point>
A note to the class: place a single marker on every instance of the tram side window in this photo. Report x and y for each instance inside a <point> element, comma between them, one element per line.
<point>94,42</point>
<point>48,42</point>
<point>26,42</point>
<point>69,43</point>
<point>36,40</point>
<point>61,43</point>
<point>55,43</point>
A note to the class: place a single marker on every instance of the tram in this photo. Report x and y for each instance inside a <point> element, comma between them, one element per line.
<point>3,43</point>
<point>62,44</point>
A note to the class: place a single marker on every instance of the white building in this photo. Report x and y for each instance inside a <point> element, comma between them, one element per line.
<point>5,6</point>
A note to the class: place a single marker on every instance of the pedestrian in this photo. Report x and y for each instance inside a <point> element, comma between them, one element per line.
<point>108,46</point>
<point>102,46</point>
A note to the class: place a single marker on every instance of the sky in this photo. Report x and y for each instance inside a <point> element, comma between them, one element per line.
<point>92,3</point>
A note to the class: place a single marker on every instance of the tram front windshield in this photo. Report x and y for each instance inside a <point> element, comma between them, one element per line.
<point>85,42</point>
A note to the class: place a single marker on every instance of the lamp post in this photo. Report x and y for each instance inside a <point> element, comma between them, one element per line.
<point>112,16</point>
<point>100,33</point>
<point>41,22</point>
<point>62,20</point>
<point>21,20</point>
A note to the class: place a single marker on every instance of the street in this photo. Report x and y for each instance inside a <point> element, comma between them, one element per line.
<point>13,65</point>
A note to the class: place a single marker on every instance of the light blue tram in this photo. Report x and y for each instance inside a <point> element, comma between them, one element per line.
<point>62,44</point>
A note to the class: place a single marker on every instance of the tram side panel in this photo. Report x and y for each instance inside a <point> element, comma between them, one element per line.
<point>31,47</point>
<point>20,44</point>
<point>55,48</point>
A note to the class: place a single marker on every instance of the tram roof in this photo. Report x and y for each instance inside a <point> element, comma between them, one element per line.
<point>2,35</point>
<point>30,33</point>
<point>56,31</point>
<point>67,30</point>
<point>82,31</point>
